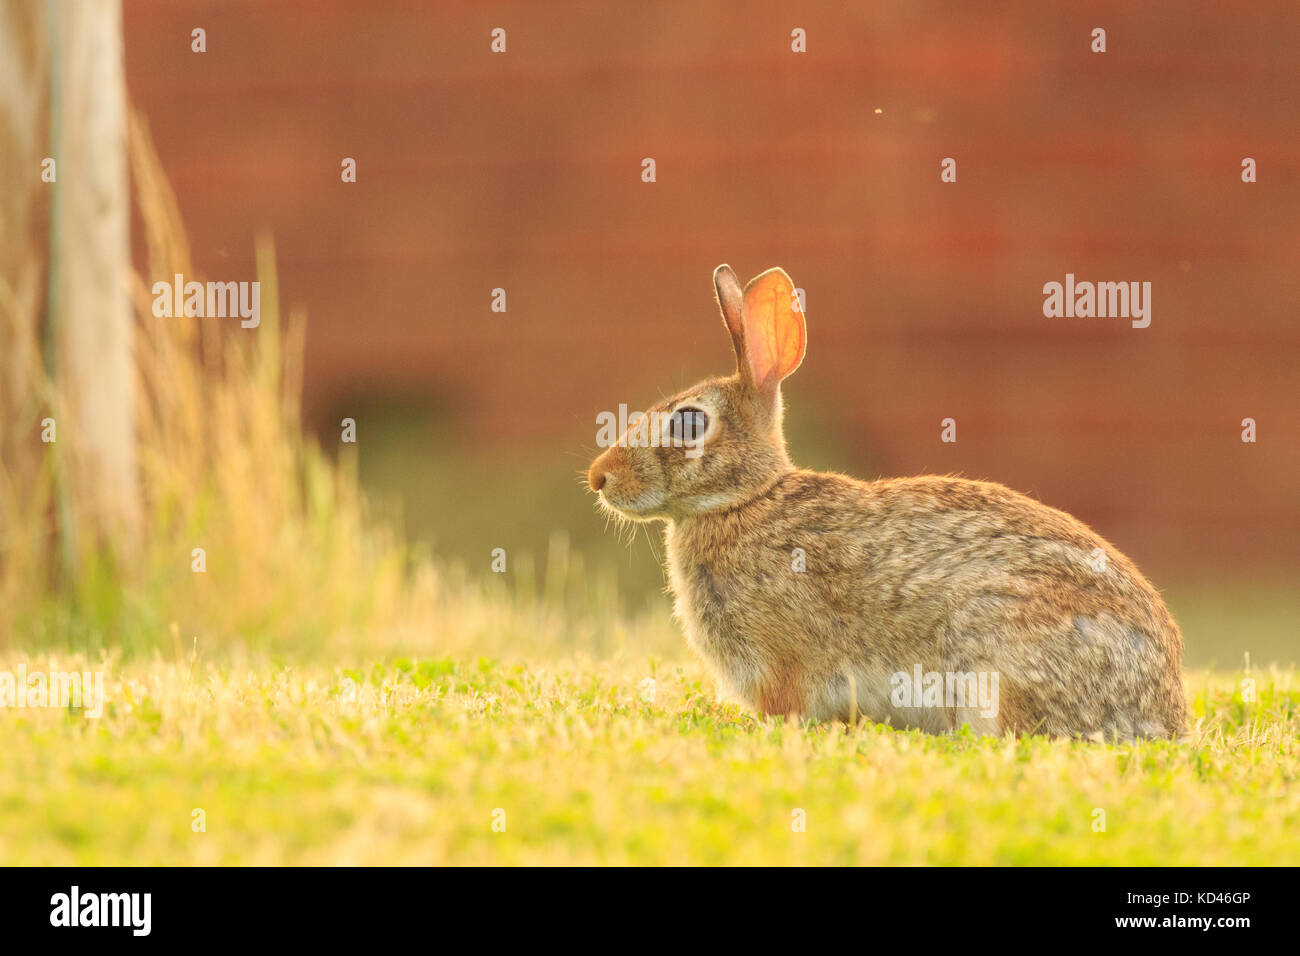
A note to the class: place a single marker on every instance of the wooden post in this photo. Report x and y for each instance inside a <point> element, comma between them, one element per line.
<point>89,262</point>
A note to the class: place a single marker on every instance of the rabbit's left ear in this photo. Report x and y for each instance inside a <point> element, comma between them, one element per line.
<point>775,335</point>
<point>731,303</point>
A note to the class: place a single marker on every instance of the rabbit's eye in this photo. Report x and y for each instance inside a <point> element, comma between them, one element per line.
<point>689,424</point>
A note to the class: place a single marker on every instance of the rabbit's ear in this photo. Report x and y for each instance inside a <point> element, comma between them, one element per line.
<point>774,333</point>
<point>731,302</point>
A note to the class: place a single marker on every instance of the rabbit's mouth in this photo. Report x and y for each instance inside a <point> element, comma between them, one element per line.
<point>623,488</point>
<point>643,507</point>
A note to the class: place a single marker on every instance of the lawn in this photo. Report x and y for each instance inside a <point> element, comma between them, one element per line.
<point>620,761</point>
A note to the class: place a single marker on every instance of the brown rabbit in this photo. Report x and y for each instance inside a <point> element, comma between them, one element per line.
<point>903,600</point>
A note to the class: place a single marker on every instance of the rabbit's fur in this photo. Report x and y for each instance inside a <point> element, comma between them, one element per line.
<point>808,593</point>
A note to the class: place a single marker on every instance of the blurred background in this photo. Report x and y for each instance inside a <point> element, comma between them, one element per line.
<point>522,171</point>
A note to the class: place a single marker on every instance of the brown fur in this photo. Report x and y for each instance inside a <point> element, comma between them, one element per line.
<point>782,693</point>
<point>945,573</point>
<point>1014,716</point>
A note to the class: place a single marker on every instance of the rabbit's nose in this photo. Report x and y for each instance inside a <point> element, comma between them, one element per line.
<point>604,468</point>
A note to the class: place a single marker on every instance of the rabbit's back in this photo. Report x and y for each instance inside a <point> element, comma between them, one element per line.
<point>814,597</point>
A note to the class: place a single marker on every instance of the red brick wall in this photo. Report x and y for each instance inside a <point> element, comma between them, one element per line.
<point>522,171</point>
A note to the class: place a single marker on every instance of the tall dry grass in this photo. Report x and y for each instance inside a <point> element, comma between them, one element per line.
<point>294,561</point>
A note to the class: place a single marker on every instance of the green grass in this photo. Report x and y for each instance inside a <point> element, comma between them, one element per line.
<point>405,762</point>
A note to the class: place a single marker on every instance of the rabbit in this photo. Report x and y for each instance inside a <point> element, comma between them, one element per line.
<point>817,596</point>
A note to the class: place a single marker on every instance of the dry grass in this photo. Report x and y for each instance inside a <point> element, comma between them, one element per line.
<point>294,562</point>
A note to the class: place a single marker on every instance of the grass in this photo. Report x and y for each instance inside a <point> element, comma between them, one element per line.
<point>406,762</point>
